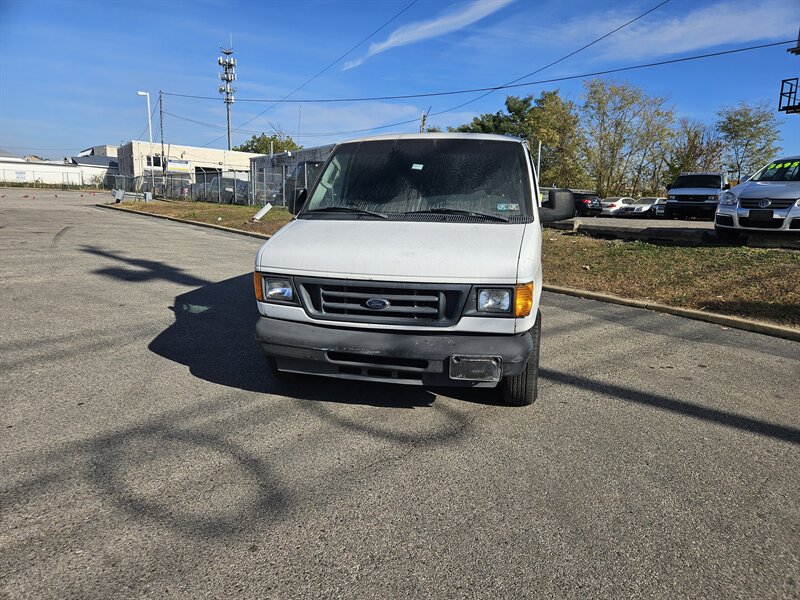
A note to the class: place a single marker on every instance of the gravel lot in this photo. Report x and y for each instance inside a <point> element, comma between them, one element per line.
<point>145,451</point>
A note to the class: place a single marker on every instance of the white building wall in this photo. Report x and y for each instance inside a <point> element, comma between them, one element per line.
<point>132,158</point>
<point>39,173</point>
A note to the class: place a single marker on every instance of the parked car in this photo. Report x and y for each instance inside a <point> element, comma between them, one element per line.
<point>413,259</point>
<point>767,201</point>
<point>587,205</point>
<point>643,208</point>
<point>610,206</point>
<point>695,195</point>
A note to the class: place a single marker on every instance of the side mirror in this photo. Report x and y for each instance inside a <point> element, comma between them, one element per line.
<point>296,203</point>
<point>727,186</point>
<point>560,205</point>
<point>669,186</point>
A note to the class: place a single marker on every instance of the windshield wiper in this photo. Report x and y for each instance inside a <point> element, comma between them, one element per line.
<point>457,211</point>
<point>350,209</point>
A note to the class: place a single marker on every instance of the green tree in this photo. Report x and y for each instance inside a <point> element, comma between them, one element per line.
<point>750,134</point>
<point>695,146</point>
<point>260,144</point>
<point>626,135</point>
<point>549,119</point>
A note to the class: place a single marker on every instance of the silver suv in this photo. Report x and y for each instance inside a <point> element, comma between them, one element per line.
<point>769,201</point>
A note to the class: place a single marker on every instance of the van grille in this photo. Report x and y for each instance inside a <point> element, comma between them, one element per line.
<point>408,303</point>
<point>692,198</point>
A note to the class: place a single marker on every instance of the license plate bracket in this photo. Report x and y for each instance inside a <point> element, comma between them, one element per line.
<point>761,214</point>
<point>476,368</point>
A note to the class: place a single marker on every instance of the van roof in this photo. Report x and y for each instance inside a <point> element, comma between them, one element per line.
<point>437,135</point>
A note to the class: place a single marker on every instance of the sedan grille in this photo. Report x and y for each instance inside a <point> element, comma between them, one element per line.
<point>382,302</point>
<point>754,203</point>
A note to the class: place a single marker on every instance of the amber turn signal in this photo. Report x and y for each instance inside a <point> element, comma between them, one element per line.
<point>259,285</point>
<point>523,299</point>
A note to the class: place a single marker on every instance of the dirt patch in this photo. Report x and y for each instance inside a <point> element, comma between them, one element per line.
<point>227,215</point>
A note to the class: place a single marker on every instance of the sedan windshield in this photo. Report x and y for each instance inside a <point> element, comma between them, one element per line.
<point>781,170</point>
<point>645,201</point>
<point>472,178</point>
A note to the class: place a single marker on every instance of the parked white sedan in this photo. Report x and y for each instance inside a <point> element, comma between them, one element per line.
<point>643,208</point>
<point>612,205</point>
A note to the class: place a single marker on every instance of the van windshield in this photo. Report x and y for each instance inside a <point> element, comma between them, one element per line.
<point>402,177</point>
<point>698,181</point>
<point>781,170</point>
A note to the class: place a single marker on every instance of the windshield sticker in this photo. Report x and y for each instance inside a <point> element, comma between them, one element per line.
<point>508,207</point>
<point>416,167</point>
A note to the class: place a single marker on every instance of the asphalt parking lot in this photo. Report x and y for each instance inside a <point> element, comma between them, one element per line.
<point>145,451</point>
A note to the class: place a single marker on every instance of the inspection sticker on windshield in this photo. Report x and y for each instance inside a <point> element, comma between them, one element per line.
<point>508,206</point>
<point>416,167</point>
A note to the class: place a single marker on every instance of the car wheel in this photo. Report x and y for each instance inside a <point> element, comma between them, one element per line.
<point>522,389</point>
<point>726,235</point>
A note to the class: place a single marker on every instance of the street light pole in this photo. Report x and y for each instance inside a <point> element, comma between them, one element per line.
<point>150,134</point>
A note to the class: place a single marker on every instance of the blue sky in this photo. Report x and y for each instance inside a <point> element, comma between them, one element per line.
<point>69,71</point>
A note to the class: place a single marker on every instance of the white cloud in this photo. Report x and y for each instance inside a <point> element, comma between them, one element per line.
<point>453,20</point>
<point>719,24</point>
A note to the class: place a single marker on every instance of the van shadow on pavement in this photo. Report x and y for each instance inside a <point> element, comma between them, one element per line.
<point>214,335</point>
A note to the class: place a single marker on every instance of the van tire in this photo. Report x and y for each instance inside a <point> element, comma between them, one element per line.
<point>727,235</point>
<point>522,389</point>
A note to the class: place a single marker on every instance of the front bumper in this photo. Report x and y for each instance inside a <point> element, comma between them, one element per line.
<point>388,356</point>
<point>690,209</point>
<point>785,220</point>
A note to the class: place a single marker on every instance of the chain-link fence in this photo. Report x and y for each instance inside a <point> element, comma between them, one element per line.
<point>226,187</point>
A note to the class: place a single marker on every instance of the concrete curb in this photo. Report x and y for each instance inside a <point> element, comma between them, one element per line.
<point>698,315</point>
<point>255,234</point>
<point>788,333</point>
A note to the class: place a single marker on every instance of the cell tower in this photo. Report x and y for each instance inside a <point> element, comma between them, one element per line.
<point>228,76</point>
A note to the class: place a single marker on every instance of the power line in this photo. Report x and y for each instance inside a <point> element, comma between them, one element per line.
<point>563,58</point>
<point>498,87</point>
<point>572,77</point>
<point>304,84</point>
<point>155,108</point>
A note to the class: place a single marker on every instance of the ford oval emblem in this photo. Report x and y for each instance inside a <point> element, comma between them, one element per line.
<point>378,303</point>
<point>766,202</point>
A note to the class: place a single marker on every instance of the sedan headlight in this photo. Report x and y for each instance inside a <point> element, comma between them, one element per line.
<point>494,300</point>
<point>728,199</point>
<point>797,204</point>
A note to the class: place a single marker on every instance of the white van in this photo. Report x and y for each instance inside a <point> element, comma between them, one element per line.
<point>412,259</point>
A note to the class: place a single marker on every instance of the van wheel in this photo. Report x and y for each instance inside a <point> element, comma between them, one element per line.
<point>726,235</point>
<point>522,389</point>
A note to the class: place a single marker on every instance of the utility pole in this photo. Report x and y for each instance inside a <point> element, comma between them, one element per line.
<point>150,137</point>
<point>424,120</point>
<point>161,127</point>
<point>228,76</point>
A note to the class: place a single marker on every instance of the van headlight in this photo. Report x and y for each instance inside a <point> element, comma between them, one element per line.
<point>728,199</point>
<point>273,289</point>
<point>494,300</point>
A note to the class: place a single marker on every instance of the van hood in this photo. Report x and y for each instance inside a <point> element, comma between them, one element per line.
<point>437,252</point>
<point>774,190</point>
